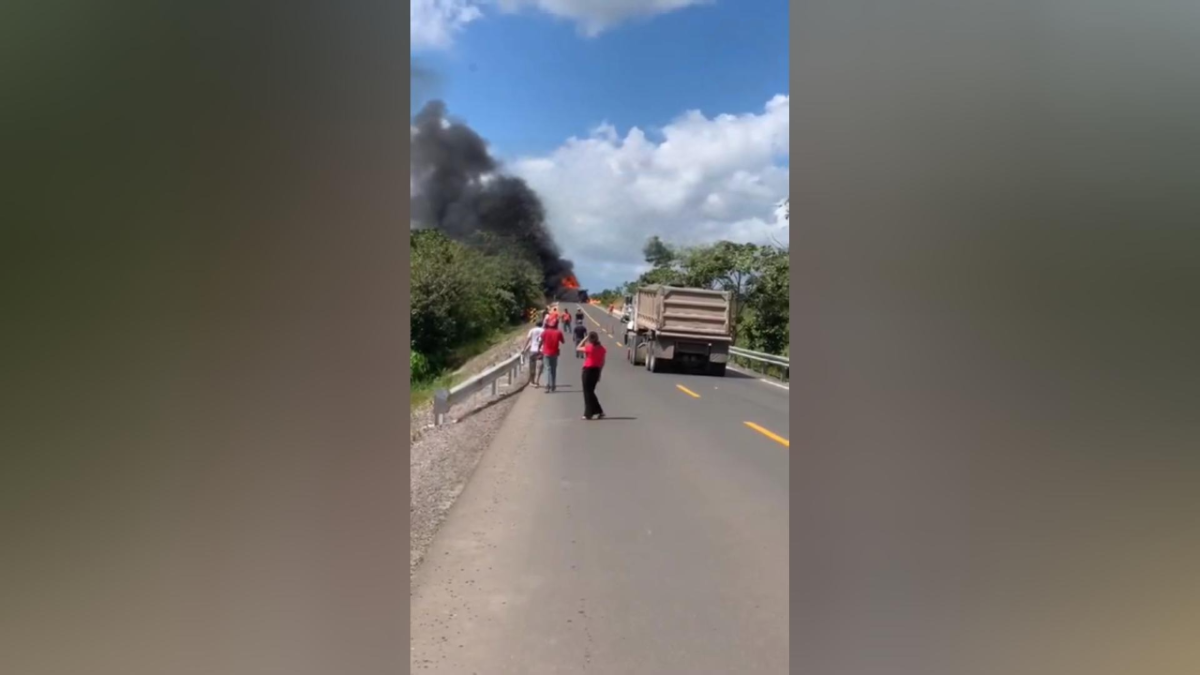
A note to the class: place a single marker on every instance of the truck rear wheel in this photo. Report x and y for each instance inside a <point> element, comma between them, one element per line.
<point>655,366</point>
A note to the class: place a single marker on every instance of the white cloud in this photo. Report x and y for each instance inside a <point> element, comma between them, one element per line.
<point>434,23</point>
<point>708,179</point>
<point>595,16</point>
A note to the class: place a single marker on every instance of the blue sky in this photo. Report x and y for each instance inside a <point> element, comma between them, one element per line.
<point>528,82</point>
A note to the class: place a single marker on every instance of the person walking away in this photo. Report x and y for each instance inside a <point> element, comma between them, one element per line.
<point>552,339</point>
<point>579,316</point>
<point>580,336</point>
<point>566,322</point>
<point>533,349</point>
<point>593,363</point>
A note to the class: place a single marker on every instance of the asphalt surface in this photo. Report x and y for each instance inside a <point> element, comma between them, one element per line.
<point>653,541</point>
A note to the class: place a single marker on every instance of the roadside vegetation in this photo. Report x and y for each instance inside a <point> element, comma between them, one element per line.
<point>757,275</point>
<point>466,296</point>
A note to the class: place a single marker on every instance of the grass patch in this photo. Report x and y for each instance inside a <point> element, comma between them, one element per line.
<point>422,392</point>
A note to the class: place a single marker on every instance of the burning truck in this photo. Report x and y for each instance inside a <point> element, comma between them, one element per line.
<point>570,291</point>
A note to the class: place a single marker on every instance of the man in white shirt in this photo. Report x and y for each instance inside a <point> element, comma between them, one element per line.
<point>533,349</point>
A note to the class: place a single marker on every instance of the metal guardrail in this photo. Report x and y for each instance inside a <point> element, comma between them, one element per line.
<point>770,359</point>
<point>445,399</point>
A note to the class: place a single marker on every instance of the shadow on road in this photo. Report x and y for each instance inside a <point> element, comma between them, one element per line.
<point>736,375</point>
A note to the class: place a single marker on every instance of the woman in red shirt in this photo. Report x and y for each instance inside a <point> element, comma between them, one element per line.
<point>593,363</point>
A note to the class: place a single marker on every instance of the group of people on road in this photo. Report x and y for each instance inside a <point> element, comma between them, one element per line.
<point>543,345</point>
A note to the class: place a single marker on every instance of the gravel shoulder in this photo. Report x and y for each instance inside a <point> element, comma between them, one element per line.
<point>443,459</point>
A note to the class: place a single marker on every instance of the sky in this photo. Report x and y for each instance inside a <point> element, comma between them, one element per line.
<point>629,118</point>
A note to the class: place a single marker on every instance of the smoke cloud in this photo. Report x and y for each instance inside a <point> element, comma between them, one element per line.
<point>458,189</point>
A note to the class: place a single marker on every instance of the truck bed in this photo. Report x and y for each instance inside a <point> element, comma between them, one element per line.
<point>684,312</point>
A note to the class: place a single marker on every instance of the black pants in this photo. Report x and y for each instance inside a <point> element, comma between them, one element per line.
<point>591,404</point>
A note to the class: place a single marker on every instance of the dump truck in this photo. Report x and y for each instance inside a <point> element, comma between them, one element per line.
<point>672,327</point>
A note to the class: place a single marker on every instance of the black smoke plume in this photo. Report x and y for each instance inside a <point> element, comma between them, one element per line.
<point>459,190</point>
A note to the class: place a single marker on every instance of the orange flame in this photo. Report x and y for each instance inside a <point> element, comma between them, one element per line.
<point>570,282</point>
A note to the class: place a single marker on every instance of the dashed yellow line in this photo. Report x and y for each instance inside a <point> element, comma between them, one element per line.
<point>771,435</point>
<point>687,391</point>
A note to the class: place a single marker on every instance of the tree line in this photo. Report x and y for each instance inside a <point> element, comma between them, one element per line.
<point>756,275</point>
<point>463,294</point>
<point>466,292</point>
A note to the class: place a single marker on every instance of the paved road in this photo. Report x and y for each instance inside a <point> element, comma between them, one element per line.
<point>654,541</point>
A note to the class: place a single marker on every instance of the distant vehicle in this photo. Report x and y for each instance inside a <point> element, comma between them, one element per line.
<point>670,326</point>
<point>571,295</point>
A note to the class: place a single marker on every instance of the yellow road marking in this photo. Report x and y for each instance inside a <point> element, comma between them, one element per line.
<point>620,345</point>
<point>778,439</point>
<point>687,391</point>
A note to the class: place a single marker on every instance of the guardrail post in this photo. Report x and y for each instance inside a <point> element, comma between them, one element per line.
<point>493,387</point>
<point>441,406</point>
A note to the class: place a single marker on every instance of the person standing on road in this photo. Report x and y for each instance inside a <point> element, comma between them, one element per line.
<point>533,350</point>
<point>579,316</point>
<point>566,319</point>
<point>580,334</point>
<point>593,363</point>
<point>552,339</point>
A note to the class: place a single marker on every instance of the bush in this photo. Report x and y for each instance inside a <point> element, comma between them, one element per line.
<point>419,365</point>
<point>462,294</point>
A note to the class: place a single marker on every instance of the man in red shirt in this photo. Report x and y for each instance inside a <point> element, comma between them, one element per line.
<point>552,339</point>
<point>593,363</point>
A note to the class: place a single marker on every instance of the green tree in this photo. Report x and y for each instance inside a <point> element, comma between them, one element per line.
<point>724,265</point>
<point>443,312</point>
<point>462,293</point>
<point>765,324</point>
<point>658,253</point>
<point>661,275</point>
